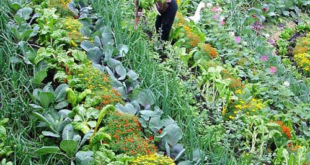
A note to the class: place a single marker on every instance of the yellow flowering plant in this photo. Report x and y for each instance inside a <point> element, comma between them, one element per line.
<point>60,5</point>
<point>73,28</point>
<point>245,103</point>
<point>303,61</point>
<point>153,159</point>
<point>302,54</point>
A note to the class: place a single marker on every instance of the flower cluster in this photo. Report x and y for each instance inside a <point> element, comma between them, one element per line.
<point>235,81</point>
<point>209,50</point>
<point>302,45</point>
<point>302,53</point>
<point>152,160</point>
<point>192,37</point>
<point>73,27</point>
<point>303,61</point>
<point>91,78</point>
<point>180,21</point>
<point>127,136</point>
<point>248,107</point>
<point>293,147</point>
<point>285,129</point>
<point>61,5</point>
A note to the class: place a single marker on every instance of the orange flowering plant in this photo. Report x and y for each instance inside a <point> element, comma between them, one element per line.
<point>60,5</point>
<point>187,34</point>
<point>101,90</point>
<point>127,137</point>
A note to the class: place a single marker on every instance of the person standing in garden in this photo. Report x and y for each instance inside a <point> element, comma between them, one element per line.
<point>166,14</point>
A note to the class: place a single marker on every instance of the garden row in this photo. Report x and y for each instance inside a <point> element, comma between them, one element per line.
<point>85,108</point>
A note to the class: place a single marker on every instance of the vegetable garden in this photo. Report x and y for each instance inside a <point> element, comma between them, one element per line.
<point>79,85</point>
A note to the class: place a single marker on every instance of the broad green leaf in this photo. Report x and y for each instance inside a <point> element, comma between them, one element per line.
<point>50,134</point>
<point>92,124</point>
<point>156,123</point>
<point>87,45</point>
<point>48,88</point>
<point>97,41</point>
<point>132,75</point>
<point>95,55</point>
<point>69,146</point>
<point>146,114</point>
<point>43,119</point>
<point>61,105</point>
<point>15,6</point>
<point>123,50</point>
<point>286,13</point>
<point>100,136</point>
<point>15,60</point>
<point>46,99</point>
<point>62,124</point>
<point>86,137</point>
<point>39,77</point>
<point>25,13</point>
<point>71,7</point>
<point>121,71</point>
<point>60,92</point>
<point>26,34</point>
<point>174,134</point>
<point>81,126</point>
<point>255,11</point>
<point>2,133</point>
<point>128,108</point>
<point>146,98</point>
<point>47,150</point>
<point>107,37</point>
<point>4,121</point>
<point>35,106</point>
<point>79,55</point>
<point>84,158</point>
<point>68,132</point>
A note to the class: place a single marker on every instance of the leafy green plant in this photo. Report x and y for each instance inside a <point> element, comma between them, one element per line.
<point>5,162</point>
<point>106,156</point>
<point>287,33</point>
<point>49,98</point>
<point>282,44</point>
<point>22,26</point>
<point>5,151</point>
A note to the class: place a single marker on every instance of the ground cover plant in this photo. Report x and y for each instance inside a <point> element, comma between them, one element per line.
<point>79,85</point>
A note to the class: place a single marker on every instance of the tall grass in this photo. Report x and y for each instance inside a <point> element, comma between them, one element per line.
<point>15,89</point>
<point>171,94</point>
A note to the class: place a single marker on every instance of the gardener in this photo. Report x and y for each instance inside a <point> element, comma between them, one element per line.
<point>165,18</point>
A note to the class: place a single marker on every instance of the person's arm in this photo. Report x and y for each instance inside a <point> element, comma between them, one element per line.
<point>138,14</point>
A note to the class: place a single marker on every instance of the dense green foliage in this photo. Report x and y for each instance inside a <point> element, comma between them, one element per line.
<point>80,86</point>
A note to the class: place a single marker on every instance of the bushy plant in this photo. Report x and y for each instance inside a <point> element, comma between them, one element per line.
<point>236,83</point>
<point>98,82</point>
<point>246,106</point>
<point>303,61</point>
<point>61,5</point>
<point>73,27</point>
<point>208,50</point>
<point>153,159</point>
<point>126,135</point>
<point>301,54</point>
